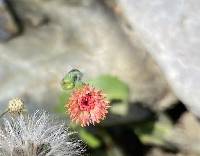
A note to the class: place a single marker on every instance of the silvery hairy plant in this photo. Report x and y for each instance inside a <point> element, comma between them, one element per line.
<point>37,135</point>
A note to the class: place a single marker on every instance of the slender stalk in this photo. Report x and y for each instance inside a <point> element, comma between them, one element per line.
<point>3,113</point>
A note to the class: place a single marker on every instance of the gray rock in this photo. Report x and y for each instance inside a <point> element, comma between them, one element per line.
<point>87,37</point>
<point>169,29</point>
<point>159,152</point>
<point>185,136</point>
<point>8,27</point>
<point>30,13</point>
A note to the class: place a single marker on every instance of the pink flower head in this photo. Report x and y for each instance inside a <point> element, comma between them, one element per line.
<point>87,105</point>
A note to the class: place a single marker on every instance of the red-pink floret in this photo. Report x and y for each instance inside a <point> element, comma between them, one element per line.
<point>87,105</point>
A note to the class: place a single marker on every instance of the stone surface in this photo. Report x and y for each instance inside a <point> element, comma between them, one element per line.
<point>185,136</point>
<point>85,36</point>
<point>8,27</point>
<point>30,13</point>
<point>160,152</point>
<point>170,32</point>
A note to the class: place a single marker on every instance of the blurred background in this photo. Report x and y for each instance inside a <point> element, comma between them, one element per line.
<point>143,54</point>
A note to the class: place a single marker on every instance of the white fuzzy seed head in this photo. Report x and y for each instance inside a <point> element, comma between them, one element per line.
<point>16,106</point>
<point>37,135</point>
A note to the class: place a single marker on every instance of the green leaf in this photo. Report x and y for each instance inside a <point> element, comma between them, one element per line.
<point>154,132</point>
<point>113,87</point>
<point>120,108</point>
<point>89,138</point>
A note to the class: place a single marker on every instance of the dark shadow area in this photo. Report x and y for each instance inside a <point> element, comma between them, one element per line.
<point>176,111</point>
<point>127,140</point>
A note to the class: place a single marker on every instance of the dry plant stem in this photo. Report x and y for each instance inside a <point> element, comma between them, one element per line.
<point>4,113</point>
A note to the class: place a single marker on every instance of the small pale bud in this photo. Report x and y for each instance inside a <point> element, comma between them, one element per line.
<point>15,106</point>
